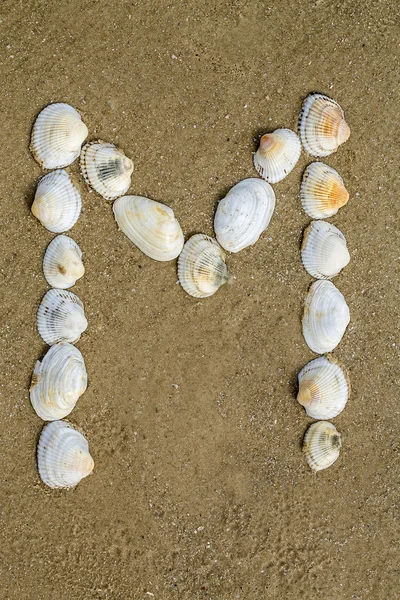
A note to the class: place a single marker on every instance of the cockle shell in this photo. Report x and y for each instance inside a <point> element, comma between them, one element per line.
<point>201,266</point>
<point>244,214</point>
<point>62,262</point>
<point>322,191</point>
<point>57,136</point>
<point>277,155</point>
<point>321,445</point>
<point>324,388</point>
<point>58,382</point>
<point>324,251</point>
<point>63,455</point>
<point>322,127</point>
<point>150,225</point>
<point>326,316</point>
<point>60,317</point>
<point>106,169</point>
<point>57,202</point>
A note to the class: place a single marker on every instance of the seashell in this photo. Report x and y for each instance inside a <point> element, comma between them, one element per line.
<point>277,154</point>
<point>244,214</point>
<point>322,191</point>
<point>321,445</point>
<point>322,127</point>
<point>150,225</point>
<point>326,316</point>
<point>201,266</point>
<point>106,169</point>
<point>57,202</point>
<point>324,388</point>
<point>57,136</point>
<point>58,382</point>
<point>324,251</point>
<point>60,317</point>
<point>62,262</point>
<point>63,455</point>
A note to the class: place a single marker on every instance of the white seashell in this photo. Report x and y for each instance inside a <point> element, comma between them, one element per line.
<point>57,136</point>
<point>324,251</point>
<point>201,266</point>
<point>150,225</point>
<point>244,214</point>
<point>324,388</point>
<point>277,155</point>
<point>57,202</point>
<point>326,316</point>
<point>322,127</point>
<point>321,445</point>
<point>60,317</point>
<point>322,191</point>
<point>58,382</point>
<point>63,455</point>
<point>106,169</point>
<point>62,262</point>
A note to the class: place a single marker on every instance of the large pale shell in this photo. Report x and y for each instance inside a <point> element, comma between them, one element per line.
<point>57,202</point>
<point>106,169</point>
<point>277,155</point>
<point>322,191</point>
<point>62,262</point>
<point>201,266</point>
<point>324,251</point>
<point>321,445</point>
<point>322,127</point>
<point>60,317</point>
<point>57,136</point>
<point>326,316</point>
<point>244,214</point>
<point>63,455</point>
<point>150,225</point>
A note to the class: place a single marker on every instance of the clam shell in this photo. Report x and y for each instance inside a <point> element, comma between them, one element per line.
<point>321,445</point>
<point>63,455</point>
<point>106,169</point>
<point>324,251</point>
<point>62,262</point>
<point>244,214</point>
<point>57,202</point>
<point>201,266</point>
<point>60,317</point>
<point>322,191</point>
<point>277,155</point>
<point>322,127</point>
<point>150,225</point>
<point>57,136</point>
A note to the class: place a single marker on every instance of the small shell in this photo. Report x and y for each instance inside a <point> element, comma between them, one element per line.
<point>321,445</point>
<point>324,251</point>
<point>322,191</point>
<point>322,127</point>
<point>58,382</point>
<point>57,202</point>
<point>324,388</point>
<point>244,214</point>
<point>63,455</point>
<point>326,316</point>
<point>106,169</point>
<point>60,317</point>
<point>201,266</point>
<point>62,262</point>
<point>57,136</point>
<point>277,155</point>
<point>150,225</point>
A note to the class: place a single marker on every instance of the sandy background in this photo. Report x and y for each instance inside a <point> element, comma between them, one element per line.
<point>201,491</point>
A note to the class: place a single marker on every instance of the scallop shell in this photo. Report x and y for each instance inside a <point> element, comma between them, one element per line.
<point>326,316</point>
<point>57,202</point>
<point>62,262</point>
<point>57,136</point>
<point>322,127</point>
<point>150,225</point>
<point>322,191</point>
<point>324,388</point>
<point>106,169</point>
<point>324,251</point>
<point>63,455</point>
<point>244,214</point>
<point>277,155</point>
<point>201,266</point>
<point>321,445</point>
<point>58,382</point>
<point>60,317</point>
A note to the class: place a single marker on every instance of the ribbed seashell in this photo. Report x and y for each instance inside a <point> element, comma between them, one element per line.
<point>106,169</point>
<point>58,382</point>
<point>57,136</point>
<point>62,262</point>
<point>244,214</point>
<point>57,202</point>
<point>63,455</point>
<point>150,225</point>
<point>326,316</point>
<point>322,191</point>
<point>321,445</point>
<point>324,251</point>
<point>277,154</point>
<point>322,127</point>
<point>324,388</point>
<point>60,317</point>
<point>201,266</point>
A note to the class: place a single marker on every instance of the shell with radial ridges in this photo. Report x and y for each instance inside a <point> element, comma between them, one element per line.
<point>322,126</point>
<point>324,250</point>
<point>62,262</point>
<point>322,191</point>
<point>106,169</point>
<point>201,266</point>
<point>321,445</point>
<point>277,154</point>
<point>60,317</point>
<point>57,203</point>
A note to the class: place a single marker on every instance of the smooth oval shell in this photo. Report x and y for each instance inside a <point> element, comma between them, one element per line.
<point>60,317</point>
<point>201,266</point>
<point>57,202</point>
<point>277,154</point>
<point>322,127</point>
<point>324,250</point>
<point>62,262</point>
<point>322,191</point>
<point>106,169</point>
<point>321,445</point>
